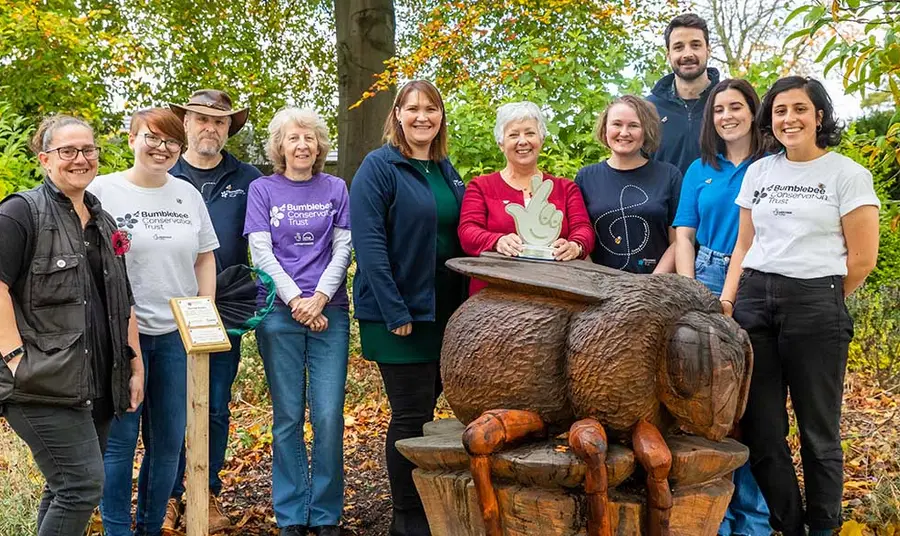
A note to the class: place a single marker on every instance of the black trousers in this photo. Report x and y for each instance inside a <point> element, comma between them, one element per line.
<point>800,331</point>
<point>412,391</point>
<point>66,444</point>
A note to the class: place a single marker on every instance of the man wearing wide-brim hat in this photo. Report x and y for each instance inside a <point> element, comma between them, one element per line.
<point>223,180</point>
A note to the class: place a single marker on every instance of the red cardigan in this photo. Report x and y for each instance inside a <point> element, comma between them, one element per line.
<point>483,218</point>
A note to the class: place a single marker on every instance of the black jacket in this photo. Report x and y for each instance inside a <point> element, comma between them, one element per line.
<point>52,302</point>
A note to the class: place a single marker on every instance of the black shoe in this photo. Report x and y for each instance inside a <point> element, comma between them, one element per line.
<point>327,530</point>
<point>295,530</point>
<point>411,522</point>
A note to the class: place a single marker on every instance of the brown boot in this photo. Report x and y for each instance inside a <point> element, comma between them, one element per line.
<point>217,520</point>
<point>173,516</point>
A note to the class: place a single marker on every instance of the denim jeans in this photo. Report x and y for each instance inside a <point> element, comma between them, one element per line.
<point>223,368</point>
<point>306,368</point>
<point>162,419</point>
<point>412,391</point>
<point>747,513</point>
<point>66,448</point>
<point>800,331</point>
<point>710,268</point>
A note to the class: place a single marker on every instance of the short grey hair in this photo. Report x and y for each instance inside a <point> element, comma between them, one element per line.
<point>305,118</point>
<point>518,111</point>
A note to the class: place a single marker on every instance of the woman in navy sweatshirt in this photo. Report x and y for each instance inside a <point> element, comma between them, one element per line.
<point>404,210</point>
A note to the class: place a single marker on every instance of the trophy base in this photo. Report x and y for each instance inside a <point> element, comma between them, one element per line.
<point>544,253</point>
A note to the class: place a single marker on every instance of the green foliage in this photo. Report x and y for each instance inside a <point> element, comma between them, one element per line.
<point>571,69</point>
<point>18,166</point>
<point>65,56</point>
<point>885,173</point>
<point>869,62</point>
<point>875,348</point>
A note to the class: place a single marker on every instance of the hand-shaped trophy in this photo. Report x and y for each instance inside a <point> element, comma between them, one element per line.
<point>538,224</point>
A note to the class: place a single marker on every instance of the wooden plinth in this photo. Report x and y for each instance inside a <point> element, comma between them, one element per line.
<point>539,486</point>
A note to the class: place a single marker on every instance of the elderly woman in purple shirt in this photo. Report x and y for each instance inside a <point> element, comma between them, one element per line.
<point>298,225</point>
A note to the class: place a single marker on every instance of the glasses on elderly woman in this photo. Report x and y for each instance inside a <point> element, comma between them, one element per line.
<point>71,153</point>
<point>154,141</point>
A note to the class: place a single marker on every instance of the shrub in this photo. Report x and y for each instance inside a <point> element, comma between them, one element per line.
<point>875,348</point>
<point>18,168</point>
<point>864,149</point>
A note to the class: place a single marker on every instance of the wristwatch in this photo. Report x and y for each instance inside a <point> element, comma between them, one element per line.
<point>20,351</point>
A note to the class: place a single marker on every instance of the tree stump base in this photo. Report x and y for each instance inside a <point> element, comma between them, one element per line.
<point>539,485</point>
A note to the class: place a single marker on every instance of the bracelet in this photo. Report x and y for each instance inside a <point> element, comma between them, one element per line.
<point>728,301</point>
<point>20,351</point>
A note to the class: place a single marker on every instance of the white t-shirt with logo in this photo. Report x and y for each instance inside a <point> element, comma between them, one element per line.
<point>168,227</point>
<point>797,209</point>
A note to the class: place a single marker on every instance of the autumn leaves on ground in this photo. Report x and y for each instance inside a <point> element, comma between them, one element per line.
<point>871,428</point>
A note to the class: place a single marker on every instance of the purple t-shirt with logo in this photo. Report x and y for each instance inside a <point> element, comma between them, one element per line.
<point>301,217</point>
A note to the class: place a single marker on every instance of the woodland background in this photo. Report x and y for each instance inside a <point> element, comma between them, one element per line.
<point>103,59</point>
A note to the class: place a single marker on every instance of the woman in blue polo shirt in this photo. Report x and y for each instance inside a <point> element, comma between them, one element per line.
<point>730,141</point>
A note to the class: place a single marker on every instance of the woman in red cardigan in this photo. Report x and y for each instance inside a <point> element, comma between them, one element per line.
<point>484,224</point>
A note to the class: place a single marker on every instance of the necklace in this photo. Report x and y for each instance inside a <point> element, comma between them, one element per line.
<point>424,167</point>
<point>508,179</point>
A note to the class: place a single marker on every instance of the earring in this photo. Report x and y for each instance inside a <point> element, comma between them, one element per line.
<point>819,127</point>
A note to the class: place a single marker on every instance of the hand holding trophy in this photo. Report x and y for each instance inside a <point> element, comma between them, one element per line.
<point>539,223</point>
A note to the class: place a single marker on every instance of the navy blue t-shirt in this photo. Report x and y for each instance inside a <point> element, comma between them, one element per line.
<point>631,212</point>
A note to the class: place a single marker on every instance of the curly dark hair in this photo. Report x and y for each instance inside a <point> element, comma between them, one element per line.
<point>829,135</point>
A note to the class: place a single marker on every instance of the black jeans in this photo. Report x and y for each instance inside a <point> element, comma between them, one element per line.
<point>412,391</point>
<point>800,331</point>
<point>66,446</point>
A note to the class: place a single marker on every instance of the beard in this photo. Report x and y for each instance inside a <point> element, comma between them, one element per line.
<point>205,146</point>
<point>689,76</point>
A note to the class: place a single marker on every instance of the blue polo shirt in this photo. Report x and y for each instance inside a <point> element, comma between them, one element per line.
<point>707,202</point>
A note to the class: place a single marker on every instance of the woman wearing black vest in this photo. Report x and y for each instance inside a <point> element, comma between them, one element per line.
<point>67,332</point>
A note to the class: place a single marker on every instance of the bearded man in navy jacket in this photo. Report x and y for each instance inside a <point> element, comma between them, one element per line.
<point>680,96</point>
<point>223,180</point>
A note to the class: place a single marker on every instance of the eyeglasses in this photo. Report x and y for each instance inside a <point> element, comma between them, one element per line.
<point>155,141</point>
<point>71,153</point>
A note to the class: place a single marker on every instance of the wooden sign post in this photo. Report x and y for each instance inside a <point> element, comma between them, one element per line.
<point>202,333</point>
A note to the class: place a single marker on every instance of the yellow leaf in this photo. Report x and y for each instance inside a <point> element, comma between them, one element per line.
<point>895,91</point>
<point>852,528</point>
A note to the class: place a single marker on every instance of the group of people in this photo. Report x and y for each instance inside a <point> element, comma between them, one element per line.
<point>703,179</point>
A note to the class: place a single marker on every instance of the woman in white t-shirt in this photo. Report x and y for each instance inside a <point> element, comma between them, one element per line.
<point>808,237</point>
<point>171,255</point>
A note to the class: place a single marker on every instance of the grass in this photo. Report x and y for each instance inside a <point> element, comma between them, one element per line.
<point>20,485</point>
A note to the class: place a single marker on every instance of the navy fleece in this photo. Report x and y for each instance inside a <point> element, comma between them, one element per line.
<point>227,206</point>
<point>394,221</point>
<point>681,121</point>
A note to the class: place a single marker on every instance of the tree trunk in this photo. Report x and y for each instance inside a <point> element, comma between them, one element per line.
<point>365,39</point>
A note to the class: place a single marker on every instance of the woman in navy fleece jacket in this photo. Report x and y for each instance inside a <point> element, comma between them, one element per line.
<point>404,212</point>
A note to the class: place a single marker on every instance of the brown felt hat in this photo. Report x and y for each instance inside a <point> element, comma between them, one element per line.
<point>214,103</point>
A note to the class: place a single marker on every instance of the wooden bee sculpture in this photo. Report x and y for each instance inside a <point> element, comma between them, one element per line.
<point>550,346</point>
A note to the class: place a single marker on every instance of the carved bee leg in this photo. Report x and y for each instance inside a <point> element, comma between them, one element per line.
<point>494,431</point>
<point>588,440</point>
<point>654,455</point>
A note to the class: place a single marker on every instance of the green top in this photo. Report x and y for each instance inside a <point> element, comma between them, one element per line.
<point>423,345</point>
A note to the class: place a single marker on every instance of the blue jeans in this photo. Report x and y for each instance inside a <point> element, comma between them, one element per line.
<point>306,492</point>
<point>163,418</point>
<point>747,514</point>
<point>223,368</point>
<point>710,268</point>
